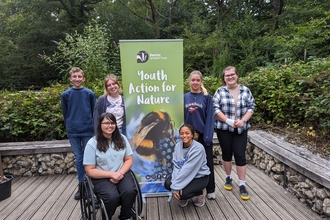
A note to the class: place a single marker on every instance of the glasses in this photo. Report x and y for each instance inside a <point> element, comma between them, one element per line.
<point>108,123</point>
<point>230,75</point>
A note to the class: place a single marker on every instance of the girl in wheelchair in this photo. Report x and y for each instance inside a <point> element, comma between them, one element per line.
<point>108,160</point>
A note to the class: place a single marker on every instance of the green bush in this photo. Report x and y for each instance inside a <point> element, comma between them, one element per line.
<point>30,115</point>
<point>294,95</point>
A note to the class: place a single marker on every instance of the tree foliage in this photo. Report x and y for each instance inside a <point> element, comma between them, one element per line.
<point>245,34</point>
<point>92,51</point>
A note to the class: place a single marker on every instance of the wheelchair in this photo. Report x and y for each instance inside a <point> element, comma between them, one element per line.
<point>92,207</point>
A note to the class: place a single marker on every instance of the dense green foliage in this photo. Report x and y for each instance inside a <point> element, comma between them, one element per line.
<point>245,34</point>
<point>295,95</point>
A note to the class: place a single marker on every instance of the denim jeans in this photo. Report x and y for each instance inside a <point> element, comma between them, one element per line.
<point>78,145</point>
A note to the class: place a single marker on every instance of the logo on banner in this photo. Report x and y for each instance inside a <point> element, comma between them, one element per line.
<point>142,57</point>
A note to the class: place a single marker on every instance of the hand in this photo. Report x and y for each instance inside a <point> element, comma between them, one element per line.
<point>239,123</point>
<point>177,195</point>
<point>116,177</point>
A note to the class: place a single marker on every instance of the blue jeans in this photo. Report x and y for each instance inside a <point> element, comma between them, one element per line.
<point>78,145</point>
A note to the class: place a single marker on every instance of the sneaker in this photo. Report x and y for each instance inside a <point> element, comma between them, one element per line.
<point>200,200</point>
<point>244,193</point>
<point>77,195</point>
<point>183,203</point>
<point>211,196</point>
<point>228,185</point>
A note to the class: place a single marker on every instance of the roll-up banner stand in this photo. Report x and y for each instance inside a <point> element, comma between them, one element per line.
<point>152,78</point>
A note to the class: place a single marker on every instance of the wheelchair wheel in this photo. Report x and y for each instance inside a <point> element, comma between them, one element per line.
<point>103,212</point>
<point>87,200</point>
<point>138,204</point>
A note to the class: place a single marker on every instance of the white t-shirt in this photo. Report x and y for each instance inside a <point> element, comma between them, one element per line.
<point>117,109</point>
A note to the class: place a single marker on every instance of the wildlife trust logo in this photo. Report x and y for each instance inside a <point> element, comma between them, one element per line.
<point>142,57</point>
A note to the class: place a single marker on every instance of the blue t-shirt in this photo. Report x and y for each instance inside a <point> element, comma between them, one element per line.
<point>111,160</point>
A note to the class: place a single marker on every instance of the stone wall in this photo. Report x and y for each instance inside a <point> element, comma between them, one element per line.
<point>39,164</point>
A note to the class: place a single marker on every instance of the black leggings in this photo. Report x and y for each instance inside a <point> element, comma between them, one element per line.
<point>233,143</point>
<point>194,188</point>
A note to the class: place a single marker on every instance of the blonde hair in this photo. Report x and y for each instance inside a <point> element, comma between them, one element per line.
<point>203,89</point>
<point>113,78</point>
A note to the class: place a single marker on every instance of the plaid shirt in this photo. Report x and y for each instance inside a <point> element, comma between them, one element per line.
<point>224,102</point>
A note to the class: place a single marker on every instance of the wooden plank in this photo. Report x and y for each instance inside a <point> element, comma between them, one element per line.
<point>71,205</point>
<point>30,195</point>
<point>34,147</point>
<point>42,196</point>
<point>255,205</point>
<point>164,208</point>
<point>190,211</point>
<point>303,152</point>
<point>281,197</point>
<point>152,208</point>
<point>268,201</point>
<point>61,198</point>
<point>233,208</point>
<point>18,197</point>
<point>314,171</point>
<point>176,211</point>
<point>59,189</point>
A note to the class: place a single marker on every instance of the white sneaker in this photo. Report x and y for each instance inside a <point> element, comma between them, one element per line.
<point>211,196</point>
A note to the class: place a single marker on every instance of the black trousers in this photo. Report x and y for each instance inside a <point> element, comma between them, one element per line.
<point>210,188</point>
<point>113,195</point>
<point>194,188</point>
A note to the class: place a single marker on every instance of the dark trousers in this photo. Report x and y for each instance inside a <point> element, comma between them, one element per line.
<point>210,188</point>
<point>113,195</point>
<point>194,188</point>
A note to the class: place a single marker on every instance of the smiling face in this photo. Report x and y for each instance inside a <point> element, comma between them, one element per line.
<point>107,127</point>
<point>195,81</point>
<point>186,136</point>
<point>230,77</point>
<point>112,88</point>
<point>77,78</point>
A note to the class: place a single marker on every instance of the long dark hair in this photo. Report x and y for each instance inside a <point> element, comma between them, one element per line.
<point>116,138</point>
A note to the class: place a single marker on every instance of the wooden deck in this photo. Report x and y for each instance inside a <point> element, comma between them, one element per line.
<point>51,197</point>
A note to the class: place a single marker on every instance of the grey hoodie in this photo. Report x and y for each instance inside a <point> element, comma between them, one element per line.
<point>188,163</point>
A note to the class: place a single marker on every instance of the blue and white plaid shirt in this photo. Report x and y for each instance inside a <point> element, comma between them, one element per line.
<point>224,102</point>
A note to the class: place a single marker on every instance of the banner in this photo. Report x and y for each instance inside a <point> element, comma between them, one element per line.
<point>152,77</point>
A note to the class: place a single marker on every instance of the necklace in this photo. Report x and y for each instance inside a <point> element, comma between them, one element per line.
<point>195,95</point>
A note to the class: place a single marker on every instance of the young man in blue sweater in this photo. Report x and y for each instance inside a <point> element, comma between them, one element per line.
<point>77,109</point>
